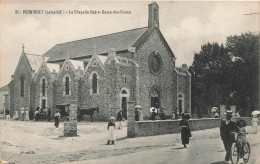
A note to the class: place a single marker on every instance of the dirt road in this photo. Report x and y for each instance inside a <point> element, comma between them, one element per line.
<point>40,142</point>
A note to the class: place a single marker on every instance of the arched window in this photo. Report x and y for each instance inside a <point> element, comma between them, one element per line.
<point>67,85</point>
<point>22,87</point>
<point>94,83</point>
<point>43,87</point>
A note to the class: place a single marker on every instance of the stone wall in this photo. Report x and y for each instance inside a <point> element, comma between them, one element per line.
<point>2,100</point>
<point>61,98</point>
<point>88,100</point>
<point>151,128</point>
<point>158,127</point>
<point>49,90</point>
<point>184,86</point>
<point>23,69</point>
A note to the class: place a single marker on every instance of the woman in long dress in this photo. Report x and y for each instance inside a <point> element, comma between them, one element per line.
<point>111,131</point>
<point>22,114</point>
<point>185,130</point>
<point>26,115</point>
<point>141,115</point>
<point>57,118</point>
<point>119,119</point>
<point>255,123</point>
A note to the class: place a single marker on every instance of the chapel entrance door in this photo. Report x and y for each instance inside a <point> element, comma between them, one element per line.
<point>124,108</point>
<point>155,98</point>
<point>180,106</point>
<point>43,104</point>
<point>124,97</point>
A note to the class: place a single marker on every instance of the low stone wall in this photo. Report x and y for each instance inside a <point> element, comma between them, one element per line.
<point>158,127</point>
<point>247,119</point>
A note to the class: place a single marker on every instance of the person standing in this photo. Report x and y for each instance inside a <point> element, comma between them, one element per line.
<point>185,129</point>
<point>7,114</point>
<point>141,115</point>
<point>31,112</point>
<point>136,114</point>
<point>16,115</point>
<point>37,114</point>
<point>255,123</point>
<point>173,115</point>
<point>26,115</point>
<point>227,128</point>
<point>22,114</point>
<point>154,112</point>
<point>119,119</point>
<point>49,114</point>
<point>111,131</point>
<point>57,118</point>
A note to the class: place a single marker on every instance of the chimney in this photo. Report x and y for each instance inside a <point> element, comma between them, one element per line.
<point>153,19</point>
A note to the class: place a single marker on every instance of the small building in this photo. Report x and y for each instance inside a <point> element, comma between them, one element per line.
<point>3,96</point>
<point>105,72</point>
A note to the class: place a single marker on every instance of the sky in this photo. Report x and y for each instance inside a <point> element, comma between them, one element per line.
<point>185,25</point>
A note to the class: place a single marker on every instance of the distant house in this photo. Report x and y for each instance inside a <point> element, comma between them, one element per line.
<point>3,96</point>
<point>105,72</point>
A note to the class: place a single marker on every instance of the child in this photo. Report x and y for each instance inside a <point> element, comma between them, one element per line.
<point>111,131</point>
<point>241,137</point>
<point>57,118</point>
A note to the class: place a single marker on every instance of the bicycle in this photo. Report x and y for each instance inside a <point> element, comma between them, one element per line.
<point>236,155</point>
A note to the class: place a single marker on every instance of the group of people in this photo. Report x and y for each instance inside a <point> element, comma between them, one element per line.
<point>157,112</point>
<point>23,116</point>
<point>42,114</point>
<point>26,114</point>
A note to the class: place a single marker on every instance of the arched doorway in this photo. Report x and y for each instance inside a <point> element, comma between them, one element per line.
<point>181,102</point>
<point>124,97</point>
<point>155,97</point>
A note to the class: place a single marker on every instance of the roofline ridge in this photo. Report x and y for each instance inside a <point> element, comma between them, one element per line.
<point>103,35</point>
<point>32,54</point>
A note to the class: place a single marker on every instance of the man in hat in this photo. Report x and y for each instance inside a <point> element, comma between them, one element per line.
<point>226,129</point>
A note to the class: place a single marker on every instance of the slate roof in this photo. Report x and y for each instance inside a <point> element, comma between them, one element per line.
<point>79,48</point>
<point>4,88</point>
<point>35,61</point>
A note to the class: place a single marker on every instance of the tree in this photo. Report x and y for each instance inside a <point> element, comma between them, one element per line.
<point>209,79</point>
<point>244,50</point>
<point>220,72</point>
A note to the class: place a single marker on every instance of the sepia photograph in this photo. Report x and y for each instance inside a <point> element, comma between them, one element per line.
<point>141,82</point>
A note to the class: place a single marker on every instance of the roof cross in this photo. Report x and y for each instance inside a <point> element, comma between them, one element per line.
<point>23,47</point>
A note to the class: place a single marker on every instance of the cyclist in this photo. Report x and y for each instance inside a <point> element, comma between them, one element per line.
<point>241,136</point>
<point>227,127</point>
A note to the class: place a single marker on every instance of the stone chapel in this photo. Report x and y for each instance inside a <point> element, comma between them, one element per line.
<point>105,72</point>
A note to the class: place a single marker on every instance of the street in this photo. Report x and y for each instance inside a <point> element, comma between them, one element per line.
<point>40,142</point>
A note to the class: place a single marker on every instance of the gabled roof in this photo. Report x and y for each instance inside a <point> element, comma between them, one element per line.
<point>35,61</point>
<point>147,33</point>
<point>4,88</point>
<point>79,48</point>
